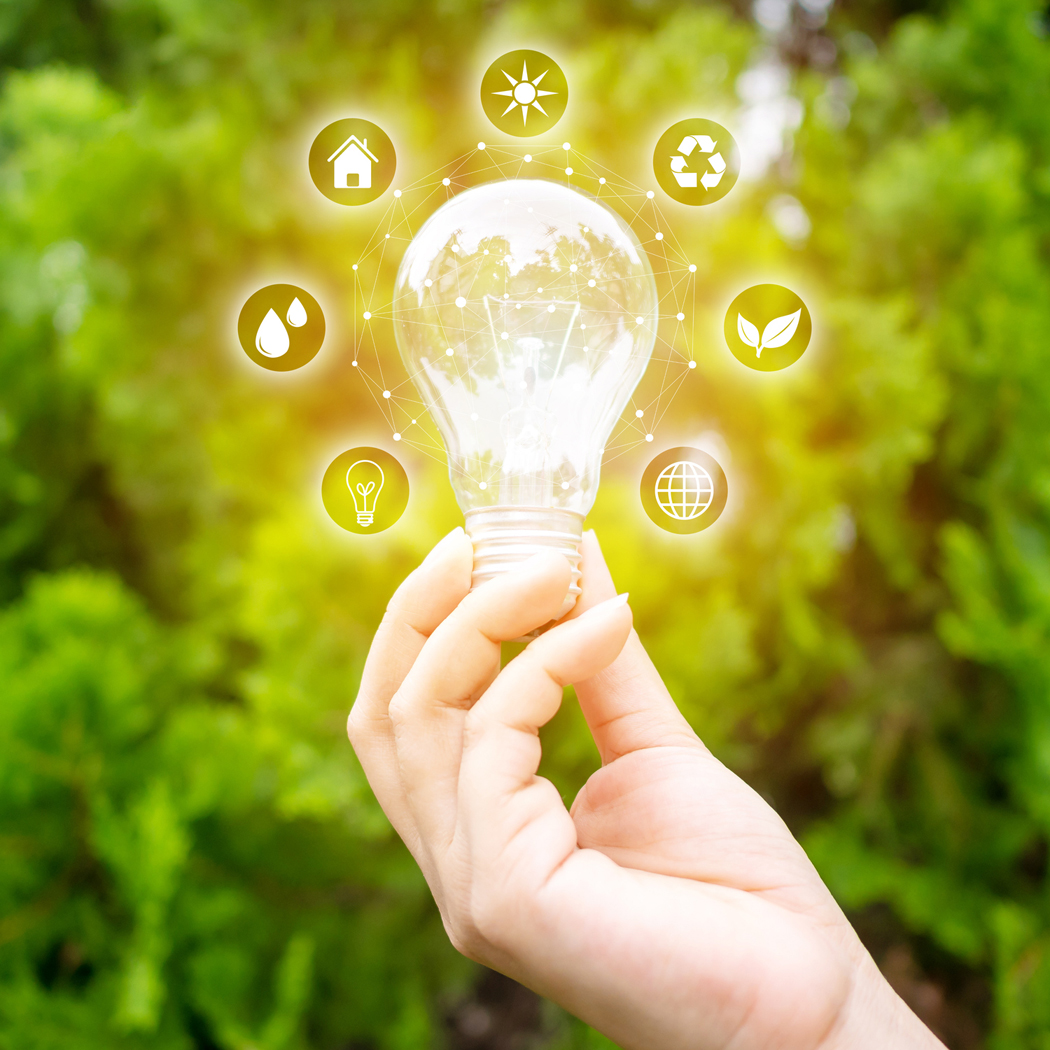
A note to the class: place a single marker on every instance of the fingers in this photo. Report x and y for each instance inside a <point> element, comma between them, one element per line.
<point>454,667</point>
<point>505,806</point>
<point>627,705</point>
<point>419,605</point>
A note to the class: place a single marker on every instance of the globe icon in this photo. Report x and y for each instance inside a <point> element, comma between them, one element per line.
<point>684,490</point>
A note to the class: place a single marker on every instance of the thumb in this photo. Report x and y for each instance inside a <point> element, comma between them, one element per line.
<point>627,705</point>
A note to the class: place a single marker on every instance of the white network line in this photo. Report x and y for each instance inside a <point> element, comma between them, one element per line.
<point>404,412</point>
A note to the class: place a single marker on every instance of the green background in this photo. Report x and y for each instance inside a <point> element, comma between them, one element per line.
<point>189,855</point>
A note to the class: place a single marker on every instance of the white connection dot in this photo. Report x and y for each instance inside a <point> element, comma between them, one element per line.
<point>639,413</point>
<point>504,335</point>
<point>455,249</point>
<point>591,283</point>
<point>528,158</point>
<point>397,437</point>
<point>397,193</point>
<point>517,306</point>
<point>573,268</point>
<point>564,485</point>
<point>583,328</point>
<point>428,282</point>
<point>506,295</point>
<point>550,309</point>
<point>460,301</point>
<point>648,437</point>
<point>481,145</point>
<point>568,171</point>
<point>601,182</point>
<point>388,236</point>
<point>680,316</point>
<point>353,364</point>
<point>659,236</point>
<point>355,266</point>
<point>446,182</point>
<point>692,267</point>
<point>530,211</point>
<point>483,484</point>
<point>566,145</point>
<point>650,195</point>
<point>367,315</point>
<point>474,416</point>
<point>485,252</point>
<point>639,320</point>
<point>449,352</point>
<point>386,394</point>
<point>413,422</point>
<point>692,364</point>
<point>539,289</point>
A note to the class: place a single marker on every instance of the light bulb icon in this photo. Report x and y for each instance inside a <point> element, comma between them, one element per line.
<point>526,314</point>
<point>365,480</point>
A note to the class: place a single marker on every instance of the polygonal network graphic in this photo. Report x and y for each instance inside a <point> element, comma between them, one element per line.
<point>535,288</point>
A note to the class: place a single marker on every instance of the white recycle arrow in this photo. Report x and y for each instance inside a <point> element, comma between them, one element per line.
<point>713,178</point>
<point>687,179</point>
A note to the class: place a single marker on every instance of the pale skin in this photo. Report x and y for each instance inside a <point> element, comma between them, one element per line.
<point>671,908</point>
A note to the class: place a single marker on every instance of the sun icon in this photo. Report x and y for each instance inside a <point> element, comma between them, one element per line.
<point>524,92</point>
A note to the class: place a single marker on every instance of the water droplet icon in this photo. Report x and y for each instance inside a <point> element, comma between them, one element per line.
<point>296,313</point>
<point>271,339</point>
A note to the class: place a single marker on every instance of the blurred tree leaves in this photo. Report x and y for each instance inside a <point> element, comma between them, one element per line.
<point>189,856</point>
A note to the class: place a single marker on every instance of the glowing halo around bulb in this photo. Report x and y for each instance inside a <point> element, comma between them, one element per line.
<point>526,314</point>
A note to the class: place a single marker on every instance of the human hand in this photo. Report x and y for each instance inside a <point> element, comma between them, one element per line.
<point>671,908</point>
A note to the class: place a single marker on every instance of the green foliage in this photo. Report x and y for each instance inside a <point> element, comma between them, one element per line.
<point>189,856</point>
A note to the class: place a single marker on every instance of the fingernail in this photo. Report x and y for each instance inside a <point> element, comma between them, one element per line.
<point>609,603</point>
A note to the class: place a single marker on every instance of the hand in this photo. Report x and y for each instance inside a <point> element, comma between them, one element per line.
<point>671,908</point>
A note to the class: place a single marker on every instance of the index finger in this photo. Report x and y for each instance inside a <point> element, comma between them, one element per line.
<point>418,607</point>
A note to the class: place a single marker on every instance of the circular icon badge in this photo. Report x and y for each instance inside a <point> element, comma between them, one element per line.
<point>696,161</point>
<point>684,490</point>
<point>281,327</point>
<point>352,161</point>
<point>365,490</point>
<point>767,327</point>
<point>524,93</point>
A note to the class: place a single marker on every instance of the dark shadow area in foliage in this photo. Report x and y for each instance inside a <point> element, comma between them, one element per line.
<point>499,1014</point>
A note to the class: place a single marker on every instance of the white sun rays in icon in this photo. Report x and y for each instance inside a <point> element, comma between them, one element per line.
<point>524,92</point>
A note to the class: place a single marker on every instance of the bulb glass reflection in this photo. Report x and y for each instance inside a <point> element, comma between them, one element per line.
<point>526,314</point>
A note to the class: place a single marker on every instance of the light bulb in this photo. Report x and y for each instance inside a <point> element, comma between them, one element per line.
<point>526,314</point>
<point>365,480</point>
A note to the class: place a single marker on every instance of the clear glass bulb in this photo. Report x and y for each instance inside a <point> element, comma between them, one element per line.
<point>526,314</point>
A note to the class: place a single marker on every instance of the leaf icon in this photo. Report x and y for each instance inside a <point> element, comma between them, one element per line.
<point>296,313</point>
<point>779,331</point>
<point>271,337</point>
<point>747,331</point>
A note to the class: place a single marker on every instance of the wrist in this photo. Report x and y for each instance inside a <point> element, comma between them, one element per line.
<point>874,1016</point>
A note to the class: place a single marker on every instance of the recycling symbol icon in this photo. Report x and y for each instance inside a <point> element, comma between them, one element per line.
<point>679,162</point>
<point>696,161</point>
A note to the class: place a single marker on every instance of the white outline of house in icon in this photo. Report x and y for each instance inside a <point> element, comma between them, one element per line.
<point>353,158</point>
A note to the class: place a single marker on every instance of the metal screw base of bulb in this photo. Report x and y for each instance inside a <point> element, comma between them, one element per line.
<point>504,537</point>
<point>364,517</point>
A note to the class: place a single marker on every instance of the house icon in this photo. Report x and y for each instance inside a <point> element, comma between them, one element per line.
<point>353,165</point>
